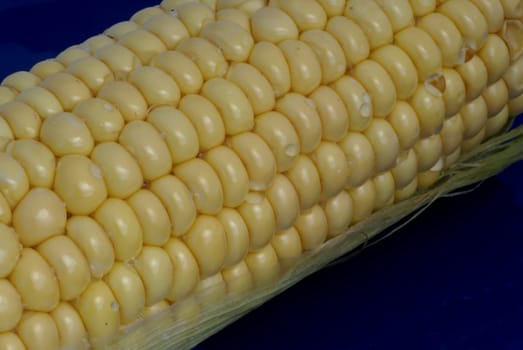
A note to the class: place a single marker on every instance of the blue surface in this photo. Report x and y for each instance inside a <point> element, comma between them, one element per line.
<point>452,279</point>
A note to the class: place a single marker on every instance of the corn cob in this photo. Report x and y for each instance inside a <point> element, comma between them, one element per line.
<point>279,131</point>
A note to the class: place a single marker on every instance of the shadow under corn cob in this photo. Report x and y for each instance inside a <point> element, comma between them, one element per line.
<point>201,143</point>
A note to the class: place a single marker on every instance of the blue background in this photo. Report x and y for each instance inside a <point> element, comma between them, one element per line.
<point>452,279</point>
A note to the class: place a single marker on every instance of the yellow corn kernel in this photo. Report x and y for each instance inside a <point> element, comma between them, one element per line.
<point>351,37</point>
<point>5,211</point>
<point>10,306</point>
<point>184,70</point>
<point>430,109</point>
<point>469,20</point>
<point>263,265</point>
<point>158,87</point>
<point>143,15</point>
<point>235,15</point>
<point>231,102</point>
<point>96,42</point>
<point>404,120</point>
<point>186,273</point>
<point>312,226</point>
<point>400,68</point>
<point>34,279</point>
<point>372,19</point>
<point>14,184</point>
<point>257,158</point>
<point>237,235</point>
<point>496,57</point>
<point>332,7</point>
<point>41,100</point>
<point>446,35</point>
<point>332,166</point>
<point>497,123</point>
<point>235,42</point>
<point>126,98</point>
<point>69,265</point>
<point>152,215</point>
<point>67,88</point>
<point>279,134</point>
<point>273,25</point>
<point>37,160</point>
<point>40,215</point>
<point>405,170</point>
<point>306,180</point>
<point>284,200</point>
<point>428,151</point>
<point>385,187</point>
<point>474,115</point>
<point>475,76</point>
<point>361,157</point>
<point>71,54</point>
<point>118,58</point>
<point>399,13</point>
<point>70,326</point>
<point>496,97</point>
<point>385,143</point>
<point>422,50</point>
<point>169,29</point>
<point>512,78</point>
<point>238,278</point>
<point>123,228</point>
<point>11,341</point>
<point>101,117</point>
<point>94,243</point>
<point>79,182</point>
<point>287,244</point>
<point>378,84</point>
<point>7,94</point>
<point>99,311</point>
<point>474,141</point>
<point>65,134</point>
<point>178,201</point>
<point>21,80</point>
<point>303,115</point>
<point>270,61</point>
<point>119,29</point>
<point>193,15</point>
<point>143,44</point>
<point>121,172</point>
<point>304,66</point>
<point>147,145</point>
<point>452,134</point>
<point>38,330</point>
<point>93,72</point>
<point>258,214</point>
<point>338,211</point>
<point>45,68</point>
<point>9,251</point>
<point>422,7</point>
<point>208,57</point>
<point>357,101</point>
<point>333,115</point>
<point>363,200</point>
<point>231,173</point>
<point>128,290</point>
<point>22,119</point>
<point>204,184</point>
<point>206,120</point>
<point>254,85</point>
<point>493,12</point>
